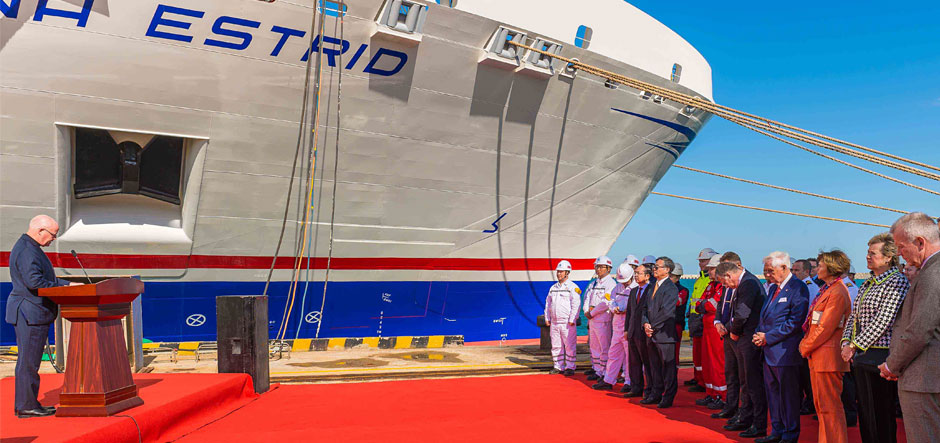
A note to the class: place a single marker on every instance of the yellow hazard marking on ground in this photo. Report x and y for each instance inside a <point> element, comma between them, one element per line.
<point>435,357</point>
<point>336,343</point>
<point>386,368</point>
<point>301,344</point>
<point>372,342</point>
<point>403,342</point>
<point>436,341</point>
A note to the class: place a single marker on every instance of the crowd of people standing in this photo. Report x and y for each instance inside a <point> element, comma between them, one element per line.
<point>808,340</point>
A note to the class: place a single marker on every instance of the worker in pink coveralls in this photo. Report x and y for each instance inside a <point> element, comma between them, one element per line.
<point>596,299</point>
<point>561,315</point>
<point>617,355</point>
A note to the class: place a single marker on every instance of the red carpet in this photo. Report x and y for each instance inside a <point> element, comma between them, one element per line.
<point>544,408</point>
<point>173,405</point>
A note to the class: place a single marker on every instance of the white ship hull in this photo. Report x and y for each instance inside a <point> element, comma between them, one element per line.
<point>459,183</point>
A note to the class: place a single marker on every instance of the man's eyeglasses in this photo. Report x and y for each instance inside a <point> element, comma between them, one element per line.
<point>53,234</point>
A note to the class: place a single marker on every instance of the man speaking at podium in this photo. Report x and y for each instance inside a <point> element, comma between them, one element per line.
<point>31,314</point>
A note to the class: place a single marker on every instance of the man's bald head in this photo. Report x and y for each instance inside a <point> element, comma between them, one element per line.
<point>43,229</point>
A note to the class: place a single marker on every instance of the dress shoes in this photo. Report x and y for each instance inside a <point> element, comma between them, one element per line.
<point>554,371</point>
<point>568,372</point>
<point>593,377</point>
<point>725,414</point>
<point>620,380</point>
<point>753,433</point>
<point>851,420</point>
<point>697,388</point>
<point>664,403</point>
<point>590,371</point>
<point>625,389</point>
<point>716,405</point>
<point>704,401</point>
<point>650,400</point>
<point>768,439</point>
<point>737,426</point>
<point>49,408</point>
<point>38,412</point>
<point>633,394</point>
<point>602,386</point>
<point>690,382</point>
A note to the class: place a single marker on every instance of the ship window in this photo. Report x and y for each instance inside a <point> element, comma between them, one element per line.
<point>404,15</point>
<point>583,38</point>
<point>102,166</point>
<point>676,72</point>
<point>331,8</point>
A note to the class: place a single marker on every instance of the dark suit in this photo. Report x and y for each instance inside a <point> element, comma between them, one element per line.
<point>746,304</point>
<point>636,337</point>
<point>734,372</point>
<point>781,321</point>
<point>660,313</point>
<point>30,314</point>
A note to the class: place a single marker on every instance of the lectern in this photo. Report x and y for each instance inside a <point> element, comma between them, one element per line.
<point>98,380</point>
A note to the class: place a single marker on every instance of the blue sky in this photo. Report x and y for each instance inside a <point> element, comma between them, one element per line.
<point>866,72</point>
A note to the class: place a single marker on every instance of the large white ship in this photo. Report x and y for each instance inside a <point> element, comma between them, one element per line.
<point>161,134</point>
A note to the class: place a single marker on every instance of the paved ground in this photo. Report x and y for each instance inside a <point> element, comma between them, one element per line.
<point>365,364</point>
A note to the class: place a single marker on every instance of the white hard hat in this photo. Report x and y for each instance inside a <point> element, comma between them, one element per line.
<point>632,260</point>
<point>678,270</point>
<point>851,268</point>
<point>563,265</point>
<point>603,260</point>
<point>706,254</point>
<point>714,261</point>
<point>624,273</point>
<point>649,259</point>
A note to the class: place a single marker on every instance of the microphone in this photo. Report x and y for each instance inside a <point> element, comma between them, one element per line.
<point>75,254</point>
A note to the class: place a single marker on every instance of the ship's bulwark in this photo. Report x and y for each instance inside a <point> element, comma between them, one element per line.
<point>440,158</point>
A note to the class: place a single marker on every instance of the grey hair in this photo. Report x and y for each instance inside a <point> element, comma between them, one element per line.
<point>778,258</point>
<point>917,224</point>
<point>671,265</point>
<point>725,268</point>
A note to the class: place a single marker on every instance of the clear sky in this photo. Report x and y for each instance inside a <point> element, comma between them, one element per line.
<point>865,72</point>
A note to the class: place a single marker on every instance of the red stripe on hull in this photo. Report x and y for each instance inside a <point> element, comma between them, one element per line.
<point>121,261</point>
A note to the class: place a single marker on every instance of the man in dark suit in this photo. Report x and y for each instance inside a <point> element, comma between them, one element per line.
<point>659,323</point>
<point>747,301</point>
<point>734,372</point>
<point>636,337</point>
<point>779,333</point>
<point>915,341</point>
<point>29,313</point>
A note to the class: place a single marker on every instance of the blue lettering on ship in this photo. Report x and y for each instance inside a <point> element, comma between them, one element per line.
<point>232,33</point>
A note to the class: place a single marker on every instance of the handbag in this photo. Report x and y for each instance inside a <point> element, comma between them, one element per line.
<point>871,358</point>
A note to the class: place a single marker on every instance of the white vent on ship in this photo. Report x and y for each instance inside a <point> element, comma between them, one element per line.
<point>402,20</point>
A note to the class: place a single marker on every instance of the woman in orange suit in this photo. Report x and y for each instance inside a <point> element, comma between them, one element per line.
<point>823,327</point>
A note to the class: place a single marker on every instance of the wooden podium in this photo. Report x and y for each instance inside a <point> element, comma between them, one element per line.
<point>98,380</point>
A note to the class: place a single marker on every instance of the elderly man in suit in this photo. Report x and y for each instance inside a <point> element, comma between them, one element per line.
<point>30,314</point>
<point>779,333</point>
<point>639,362</point>
<point>915,346</point>
<point>747,301</point>
<point>659,323</point>
<point>734,373</point>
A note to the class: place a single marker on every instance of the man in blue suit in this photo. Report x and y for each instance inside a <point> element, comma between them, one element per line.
<point>30,314</point>
<point>779,333</point>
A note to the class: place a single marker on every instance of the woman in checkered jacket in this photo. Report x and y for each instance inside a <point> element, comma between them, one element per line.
<point>867,337</point>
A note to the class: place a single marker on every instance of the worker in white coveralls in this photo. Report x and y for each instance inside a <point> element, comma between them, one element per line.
<point>596,299</point>
<point>618,352</point>
<point>561,315</point>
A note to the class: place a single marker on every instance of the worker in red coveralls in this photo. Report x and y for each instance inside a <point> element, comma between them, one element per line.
<point>697,383</point>
<point>713,353</point>
<point>681,307</point>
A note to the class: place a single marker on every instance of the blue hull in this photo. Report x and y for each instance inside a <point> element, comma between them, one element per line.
<point>185,311</point>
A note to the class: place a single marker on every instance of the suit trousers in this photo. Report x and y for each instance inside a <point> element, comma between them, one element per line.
<point>664,370</point>
<point>827,392</point>
<point>29,343</point>
<point>876,422</point>
<point>734,377</point>
<point>752,359</point>
<point>805,386</point>
<point>639,364</point>
<point>783,400</point>
<point>921,415</point>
